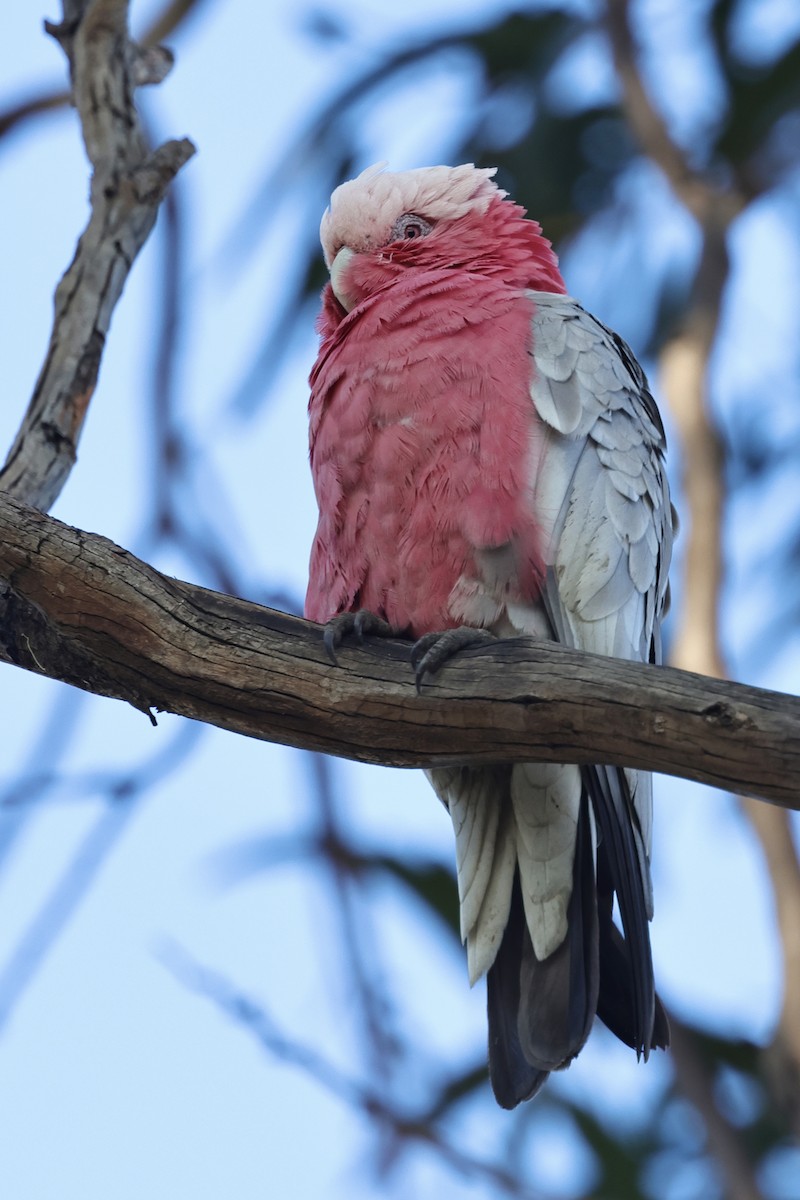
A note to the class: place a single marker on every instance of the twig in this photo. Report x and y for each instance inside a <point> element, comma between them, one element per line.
<point>253,1016</point>
<point>373,1003</point>
<point>171,17</point>
<point>59,907</point>
<point>48,101</point>
<point>123,793</point>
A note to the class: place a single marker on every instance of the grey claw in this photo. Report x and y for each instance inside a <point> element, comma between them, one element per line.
<point>420,671</point>
<point>423,657</point>
<point>422,646</point>
<point>368,623</point>
<point>432,650</point>
<point>360,624</point>
<point>331,638</point>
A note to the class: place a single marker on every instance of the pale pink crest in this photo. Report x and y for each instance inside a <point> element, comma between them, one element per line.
<point>363,210</point>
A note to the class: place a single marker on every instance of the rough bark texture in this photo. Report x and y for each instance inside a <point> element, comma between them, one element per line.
<point>80,609</point>
<point>128,184</point>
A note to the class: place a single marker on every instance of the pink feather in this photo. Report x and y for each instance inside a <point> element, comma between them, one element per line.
<point>412,479</point>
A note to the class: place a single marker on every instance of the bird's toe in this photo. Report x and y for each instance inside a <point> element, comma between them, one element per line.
<point>360,625</point>
<point>432,650</point>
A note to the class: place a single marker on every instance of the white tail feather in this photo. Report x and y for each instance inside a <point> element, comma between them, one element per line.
<point>546,801</point>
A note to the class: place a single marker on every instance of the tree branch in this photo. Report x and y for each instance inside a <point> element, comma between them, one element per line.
<point>80,609</point>
<point>172,16</point>
<point>128,183</point>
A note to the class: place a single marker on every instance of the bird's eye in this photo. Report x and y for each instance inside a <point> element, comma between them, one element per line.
<point>408,227</point>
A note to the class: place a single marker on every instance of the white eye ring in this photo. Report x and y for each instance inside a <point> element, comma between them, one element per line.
<point>408,227</point>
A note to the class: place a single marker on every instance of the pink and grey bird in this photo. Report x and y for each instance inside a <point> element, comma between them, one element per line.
<point>487,456</point>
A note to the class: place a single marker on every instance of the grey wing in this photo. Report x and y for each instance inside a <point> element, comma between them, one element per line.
<point>602,499</point>
<point>601,492</point>
<point>602,496</point>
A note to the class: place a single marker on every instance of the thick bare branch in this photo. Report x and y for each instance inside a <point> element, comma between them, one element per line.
<point>80,609</point>
<point>128,183</point>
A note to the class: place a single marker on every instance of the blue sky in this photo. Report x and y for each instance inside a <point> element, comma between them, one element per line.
<point>114,1079</point>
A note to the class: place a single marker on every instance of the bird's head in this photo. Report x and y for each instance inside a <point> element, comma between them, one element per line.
<point>383,224</point>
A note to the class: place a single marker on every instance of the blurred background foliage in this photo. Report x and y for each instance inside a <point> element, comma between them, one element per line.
<point>541,100</point>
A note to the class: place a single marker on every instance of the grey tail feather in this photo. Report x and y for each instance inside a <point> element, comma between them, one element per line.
<point>513,1078</point>
<point>540,1013</point>
<point>628,997</point>
<point>627,988</point>
<point>616,1004</point>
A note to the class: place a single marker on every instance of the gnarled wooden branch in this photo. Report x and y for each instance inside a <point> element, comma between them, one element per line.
<point>128,183</point>
<point>80,609</point>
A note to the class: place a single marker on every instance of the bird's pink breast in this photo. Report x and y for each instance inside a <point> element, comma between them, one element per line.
<point>423,438</point>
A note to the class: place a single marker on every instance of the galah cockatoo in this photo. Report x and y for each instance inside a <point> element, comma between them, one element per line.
<point>487,457</point>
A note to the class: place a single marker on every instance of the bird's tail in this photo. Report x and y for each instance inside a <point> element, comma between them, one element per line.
<point>541,1012</point>
<point>541,1006</point>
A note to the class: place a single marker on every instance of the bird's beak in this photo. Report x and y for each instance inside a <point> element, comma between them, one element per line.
<point>338,271</point>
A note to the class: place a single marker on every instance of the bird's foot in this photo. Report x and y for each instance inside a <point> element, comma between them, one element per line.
<point>432,650</point>
<point>359,624</point>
